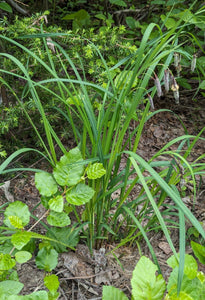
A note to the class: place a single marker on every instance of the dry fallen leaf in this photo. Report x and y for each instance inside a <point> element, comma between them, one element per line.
<point>164,246</point>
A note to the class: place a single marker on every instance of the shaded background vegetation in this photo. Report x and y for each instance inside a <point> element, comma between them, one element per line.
<point>115,26</point>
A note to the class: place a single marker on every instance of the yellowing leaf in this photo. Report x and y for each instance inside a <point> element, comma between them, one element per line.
<point>95,171</point>
<point>6,262</point>
<point>51,282</point>
<point>15,221</point>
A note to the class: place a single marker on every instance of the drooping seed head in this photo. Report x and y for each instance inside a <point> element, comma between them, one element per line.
<point>158,86</point>
<point>193,63</point>
<point>151,101</point>
<point>166,80</point>
<point>178,69</point>
<point>177,58</point>
<point>175,89</point>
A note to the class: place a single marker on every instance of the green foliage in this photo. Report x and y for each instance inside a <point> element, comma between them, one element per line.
<point>47,259</point>
<point>99,114</point>
<point>106,41</point>
<point>22,256</point>
<point>192,286</point>
<point>146,285</point>
<point>97,95</point>
<point>46,184</point>
<point>59,219</point>
<point>69,174</point>
<point>95,171</point>
<point>16,215</point>
<point>111,291</point>
<point>81,19</point>
<point>68,171</point>
<point>112,42</point>
<point>52,284</point>
<point>118,2</point>
<point>10,287</point>
<point>65,236</point>
<point>199,251</point>
<point>5,6</point>
<point>20,239</point>
<point>6,262</point>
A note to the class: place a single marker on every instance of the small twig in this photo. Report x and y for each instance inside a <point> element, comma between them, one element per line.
<point>34,225</point>
<point>82,277</point>
<point>22,3</point>
<point>62,292</point>
<point>127,11</point>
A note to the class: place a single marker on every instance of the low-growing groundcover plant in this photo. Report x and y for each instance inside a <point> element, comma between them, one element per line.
<point>17,244</point>
<point>147,285</point>
<point>100,118</point>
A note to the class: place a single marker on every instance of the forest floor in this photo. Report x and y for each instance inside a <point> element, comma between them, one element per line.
<point>82,276</point>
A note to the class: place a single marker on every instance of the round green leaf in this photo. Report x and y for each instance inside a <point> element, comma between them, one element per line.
<point>18,209</point>
<point>69,169</point>
<point>66,235</point>
<point>22,256</point>
<point>80,194</point>
<point>56,203</point>
<point>46,184</point>
<point>58,219</point>
<point>47,259</point>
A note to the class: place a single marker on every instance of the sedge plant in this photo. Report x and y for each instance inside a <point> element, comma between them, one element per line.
<point>102,134</point>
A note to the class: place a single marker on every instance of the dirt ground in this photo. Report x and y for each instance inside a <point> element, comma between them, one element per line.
<point>82,276</point>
